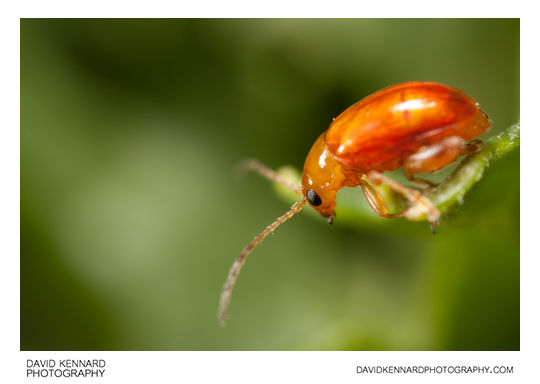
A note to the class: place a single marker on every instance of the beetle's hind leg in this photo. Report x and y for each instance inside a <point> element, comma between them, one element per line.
<point>434,157</point>
<point>270,174</point>
<point>420,203</point>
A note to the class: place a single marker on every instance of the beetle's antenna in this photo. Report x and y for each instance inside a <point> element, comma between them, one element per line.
<point>258,167</point>
<point>225,299</point>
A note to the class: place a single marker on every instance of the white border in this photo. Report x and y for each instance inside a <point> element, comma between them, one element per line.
<point>287,367</point>
<point>266,366</point>
<point>275,8</point>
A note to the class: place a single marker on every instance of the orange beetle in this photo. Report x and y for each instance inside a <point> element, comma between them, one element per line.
<point>419,126</point>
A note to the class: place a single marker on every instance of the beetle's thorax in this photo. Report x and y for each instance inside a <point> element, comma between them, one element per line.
<point>324,175</point>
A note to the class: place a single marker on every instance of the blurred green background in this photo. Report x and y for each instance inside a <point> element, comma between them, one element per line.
<point>132,213</point>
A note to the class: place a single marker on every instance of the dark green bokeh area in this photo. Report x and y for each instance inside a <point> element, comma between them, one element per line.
<point>132,213</point>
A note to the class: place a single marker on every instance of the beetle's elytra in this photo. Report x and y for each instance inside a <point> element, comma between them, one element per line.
<point>419,126</point>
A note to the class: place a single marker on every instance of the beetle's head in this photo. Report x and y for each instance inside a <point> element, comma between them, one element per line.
<point>322,178</point>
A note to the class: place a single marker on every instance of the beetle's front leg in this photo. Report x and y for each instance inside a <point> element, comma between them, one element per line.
<point>421,205</point>
<point>376,202</point>
<point>420,183</point>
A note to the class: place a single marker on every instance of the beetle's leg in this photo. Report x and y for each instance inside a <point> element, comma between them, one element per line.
<point>434,157</point>
<point>421,204</point>
<point>420,183</point>
<point>263,170</point>
<point>376,202</point>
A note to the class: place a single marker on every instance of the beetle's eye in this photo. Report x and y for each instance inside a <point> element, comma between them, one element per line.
<point>313,198</point>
